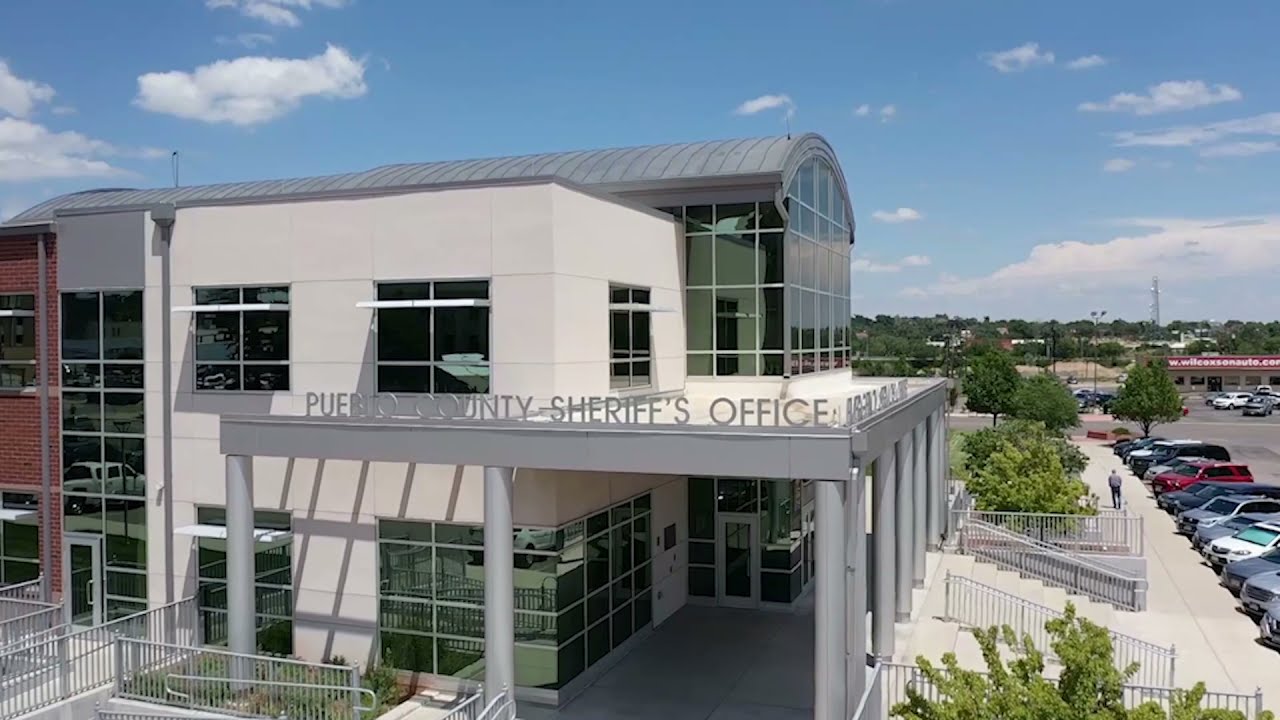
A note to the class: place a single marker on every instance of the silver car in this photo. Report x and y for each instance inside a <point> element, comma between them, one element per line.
<point>1260,594</point>
<point>1221,508</point>
<point>1269,628</point>
<point>1172,465</point>
<point>1206,534</point>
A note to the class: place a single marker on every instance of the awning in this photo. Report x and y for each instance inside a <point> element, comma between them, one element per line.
<point>236,307</point>
<point>15,514</point>
<point>639,307</point>
<point>441,303</point>
<point>219,532</point>
<point>18,313</point>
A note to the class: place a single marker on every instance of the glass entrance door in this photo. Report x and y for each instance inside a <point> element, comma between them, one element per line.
<point>84,578</point>
<point>737,546</point>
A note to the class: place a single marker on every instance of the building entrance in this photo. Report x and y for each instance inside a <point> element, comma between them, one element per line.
<point>737,550</point>
<point>1215,383</point>
<point>83,565</point>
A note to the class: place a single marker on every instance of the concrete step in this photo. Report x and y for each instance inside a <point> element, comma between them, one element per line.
<point>1100,613</point>
<point>1053,597</point>
<point>1031,590</point>
<point>984,573</point>
<point>960,565</point>
<point>968,652</point>
<point>1009,581</point>
<point>931,639</point>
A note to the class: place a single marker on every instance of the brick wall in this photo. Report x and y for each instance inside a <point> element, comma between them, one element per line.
<point>20,412</point>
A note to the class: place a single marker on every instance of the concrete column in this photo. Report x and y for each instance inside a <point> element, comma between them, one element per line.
<point>241,606</point>
<point>829,679</point>
<point>919,503</point>
<point>936,484</point>
<point>499,583</point>
<point>856,588</point>
<point>904,527</point>
<point>883,499</point>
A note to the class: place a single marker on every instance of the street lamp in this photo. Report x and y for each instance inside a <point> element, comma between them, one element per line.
<point>1097,316</point>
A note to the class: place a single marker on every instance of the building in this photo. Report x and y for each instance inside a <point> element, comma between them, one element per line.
<point>488,421</point>
<point>1218,373</point>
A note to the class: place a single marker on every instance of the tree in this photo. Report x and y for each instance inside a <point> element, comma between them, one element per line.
<point>990,384</point>
<point>1148,397</point>
<point>1027,477</point>
<point>1089,686</point>
<point>1045,399</point>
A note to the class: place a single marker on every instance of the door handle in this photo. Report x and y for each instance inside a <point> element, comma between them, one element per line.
<point>89,589</point>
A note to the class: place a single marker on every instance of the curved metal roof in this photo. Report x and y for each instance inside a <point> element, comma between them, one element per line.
<point>612,170</point>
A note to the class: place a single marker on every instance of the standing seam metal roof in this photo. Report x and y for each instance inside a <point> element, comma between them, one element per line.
<point>611,170</point>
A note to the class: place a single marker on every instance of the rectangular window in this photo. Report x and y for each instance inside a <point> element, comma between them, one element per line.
<point>19,538</point>
<point>242,339</point>
<point>273,584</point>
<point>433,337</point>
<point>17,341</point>
<point>630,338</point>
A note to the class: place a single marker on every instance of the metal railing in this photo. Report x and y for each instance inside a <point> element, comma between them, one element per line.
<point>977,605</point>
<point>1079,574</point>
<point>30,590</point>
<point>871,706</point>
<point>897,677</point>
<point>1102,534</point>
<point>502,707</point>
<point>468,709</point>
<point>35,623</point>
<point>221,681</point>
<point>65,661</point>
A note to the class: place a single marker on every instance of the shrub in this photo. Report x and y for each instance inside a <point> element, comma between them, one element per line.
<point>1121,430</point>
<point>1020,466</point>
<point>1044,398</point>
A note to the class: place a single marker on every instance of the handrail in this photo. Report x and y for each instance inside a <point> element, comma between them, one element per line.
<point>21,591</point>
<point>501,707</point>
<point>866,709</point>
<point>1103,533</point>
<point>273,683</point>
<point>465,710</point>
<point>1094,564</point>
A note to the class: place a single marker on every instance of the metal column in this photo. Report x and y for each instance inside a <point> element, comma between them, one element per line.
<point>904,484</point>
<point>935,483</point>
<point>856,588</point>
<point>829,679</point>
<point>919,503</point>
<point>882,547</point>
<point>241,611</point>
<point>46,359</point>
<point>499,583</point>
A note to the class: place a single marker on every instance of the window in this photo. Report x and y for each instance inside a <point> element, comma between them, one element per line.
<point>630,338</point>
<point>242,339</point>
<point>273,584</point>
<point>1258,535</point>
<point>17,341</point>
<point>817,245</point>
<point>104,436</point>
<point>433,337</point>
<point>19,538</point>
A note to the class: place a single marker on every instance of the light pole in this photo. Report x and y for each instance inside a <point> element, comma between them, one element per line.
<point>1097,316</point>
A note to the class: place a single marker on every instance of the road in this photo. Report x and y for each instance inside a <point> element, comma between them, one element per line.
<point>1251,440</point>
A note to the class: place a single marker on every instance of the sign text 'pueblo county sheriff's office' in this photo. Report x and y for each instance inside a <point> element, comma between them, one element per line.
<point>722,411</point>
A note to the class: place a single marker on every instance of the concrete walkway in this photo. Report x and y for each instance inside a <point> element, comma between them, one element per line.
<point>1185,605</point>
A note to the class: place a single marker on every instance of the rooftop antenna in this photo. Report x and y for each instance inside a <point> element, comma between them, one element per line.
<point>1155,304</point>
<point>174,160</point>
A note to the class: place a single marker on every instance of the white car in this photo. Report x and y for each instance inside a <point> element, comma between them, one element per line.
<point>1248,543</point>
<point>1262,390</point>
<point>1231,401</point>
<point>112,478</point>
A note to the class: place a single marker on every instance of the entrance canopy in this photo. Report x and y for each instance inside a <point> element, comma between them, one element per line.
<point>818,437</point>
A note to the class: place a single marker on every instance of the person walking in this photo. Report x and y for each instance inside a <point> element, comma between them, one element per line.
<point>1114,481</point>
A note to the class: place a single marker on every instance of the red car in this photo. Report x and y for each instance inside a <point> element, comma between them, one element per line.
<point>1198,471</point>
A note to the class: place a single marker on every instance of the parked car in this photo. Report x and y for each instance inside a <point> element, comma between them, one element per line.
<point>1248,543</point>
<point>1138,444</point>
<point>1235,574</point>
<point>1223,508</point>
<point>1231,401</point>
<point>1202,492</point>
<point>1160,454</point>
<point>1071,380</point>
<point>1263,390</point>
<point>1260,593</point>
<point>1169,466</point>
<point>1197,471</point>
<point>1210,397</point>
<point>1206,534</point>
<point>1269,629</point>
<point>1259,406</point>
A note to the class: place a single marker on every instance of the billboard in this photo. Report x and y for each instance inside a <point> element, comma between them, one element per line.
<point>1223,362</point>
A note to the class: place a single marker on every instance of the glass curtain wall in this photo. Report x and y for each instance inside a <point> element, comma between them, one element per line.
<point>818,270</point>
<point>581,590</point>
<point>782,536</point>
<point>273,583</point>
<point>103,437</point>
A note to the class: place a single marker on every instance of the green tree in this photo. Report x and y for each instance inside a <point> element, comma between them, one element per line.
<point>1148,397</point>
<point>990,384</point>
<point>1045,399</point>
<point>1090,686</point>
<point>1027,477</point>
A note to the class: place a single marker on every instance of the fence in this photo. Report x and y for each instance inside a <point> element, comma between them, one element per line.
<point>30,590</point>
<point>35,620</point>
<point>976,605</point>
<point>1078,574</point>
<point>1103,534</point>
<point>468,709</point>
<point>65,662</point>
<point>897,677</point>
<point>871,706</point>
<point>220,681</point>
<point>502,707</point>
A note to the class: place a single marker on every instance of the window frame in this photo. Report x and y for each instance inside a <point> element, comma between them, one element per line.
<point>632,358</point>
<point>12,303</point>
<point>240,362</point>
<point>430,362</point>
<point>261,619</point>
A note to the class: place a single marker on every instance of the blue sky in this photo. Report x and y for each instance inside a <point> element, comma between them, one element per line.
<point>1005,158</point>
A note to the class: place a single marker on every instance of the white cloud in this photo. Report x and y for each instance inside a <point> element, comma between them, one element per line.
<point>1171,96</point>
<point>1086,62</point>
<point>281,13</point>
<point>901,215</point>
<point>765,102</point>
<point>251,90</point>
<point>862,110</point>
<point>29,151</point>
<point>1196,250</point>
<point>888,112</point>
<point>18,97</point>
<point>1243,148</point>
<point>1118,165</point>
<point>64,110</point>
<point>867,265</point>
<point>249,40</point>
<point>1017,59</point>
<point>1267,125</point>
<point>913,292</point>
